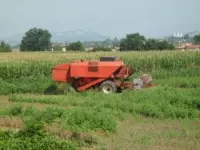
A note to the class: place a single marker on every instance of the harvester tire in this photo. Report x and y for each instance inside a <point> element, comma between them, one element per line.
<point>108,87</point>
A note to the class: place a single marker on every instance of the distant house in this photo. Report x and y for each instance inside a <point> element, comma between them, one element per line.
<point>183,45</point>
<point>192,47</point>
<point>188,46</point>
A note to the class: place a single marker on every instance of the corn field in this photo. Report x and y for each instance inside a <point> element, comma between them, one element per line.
<point>42,62</point>
<point>18,69</point>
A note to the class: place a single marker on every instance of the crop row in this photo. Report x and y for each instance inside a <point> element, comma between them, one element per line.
<point>145,61</point>
<point>159,102</point>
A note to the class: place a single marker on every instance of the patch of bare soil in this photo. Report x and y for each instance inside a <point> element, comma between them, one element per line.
<point>10,122</point>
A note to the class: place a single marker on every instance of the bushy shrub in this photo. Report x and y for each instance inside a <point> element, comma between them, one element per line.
<point>100,48</point>
<point>20,141</point>
<point>81,119</point>
<point>75,46</point>
<point>4,47</point>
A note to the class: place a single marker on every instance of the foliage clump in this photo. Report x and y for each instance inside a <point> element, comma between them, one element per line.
<point>4,47</point>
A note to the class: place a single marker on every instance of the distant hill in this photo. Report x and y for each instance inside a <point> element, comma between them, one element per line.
<point>175,39</point>
<point>14,39</point>
<point>66,36</point>
<point>193,33</point>
<point>75,35</point>
<point>190,34</point>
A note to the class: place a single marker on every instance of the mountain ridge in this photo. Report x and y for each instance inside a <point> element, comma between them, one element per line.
<point>64,36</point>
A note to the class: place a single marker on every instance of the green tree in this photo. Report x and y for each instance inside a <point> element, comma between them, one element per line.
<point>165,45</point>
<point>197,39</point>
<point>151,44</point>
<point>76,46</point>
<point>4,47</point>
<point>36,39</point>
<point>132,42</point>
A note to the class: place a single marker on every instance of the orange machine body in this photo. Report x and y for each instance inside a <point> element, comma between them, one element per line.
<point>95,69</point>
<point>85,74</point>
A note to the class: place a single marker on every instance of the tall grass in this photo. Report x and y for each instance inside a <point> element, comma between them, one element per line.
<point>41,63</point>
<point>31,72</point>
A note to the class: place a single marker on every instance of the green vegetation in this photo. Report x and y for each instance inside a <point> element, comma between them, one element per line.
<point>138,42</point>
<point>36,40</point>
<point>100,48</point>
<point>75,46</point>
<point>57,47</point>
<point>32,72</point>
<point>161,116</point>
<point>4,47</point>
<point>159,102</point>
<point>197,39</point>
<point>23,141</point>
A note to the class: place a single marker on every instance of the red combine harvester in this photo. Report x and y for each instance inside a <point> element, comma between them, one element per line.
<point>107,74</point>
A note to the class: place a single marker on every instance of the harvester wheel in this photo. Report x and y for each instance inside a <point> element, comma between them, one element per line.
<point>108,87</point>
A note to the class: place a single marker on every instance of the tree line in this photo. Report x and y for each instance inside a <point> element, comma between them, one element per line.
<point>37,39</point>
<point>138,42</point>
<point>40,40</point>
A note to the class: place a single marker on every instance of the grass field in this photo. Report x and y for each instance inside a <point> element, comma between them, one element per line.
<point>163,117</point>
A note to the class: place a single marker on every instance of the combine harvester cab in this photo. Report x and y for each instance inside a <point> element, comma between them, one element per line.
<point>107,74</point>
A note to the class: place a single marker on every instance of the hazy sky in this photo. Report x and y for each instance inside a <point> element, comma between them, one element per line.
<point>108,17</point>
